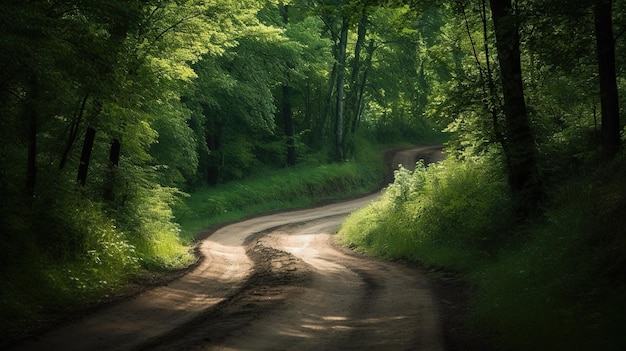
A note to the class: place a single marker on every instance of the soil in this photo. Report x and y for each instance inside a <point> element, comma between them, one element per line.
<point>281,282</point>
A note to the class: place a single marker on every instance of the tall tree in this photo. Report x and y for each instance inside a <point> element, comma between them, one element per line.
<point>342,44</point>
<point>519,144</point>
<point>286,109</point>
<point>609,97</point>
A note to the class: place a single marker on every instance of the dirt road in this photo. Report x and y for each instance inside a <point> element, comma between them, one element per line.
<point>275,282</point>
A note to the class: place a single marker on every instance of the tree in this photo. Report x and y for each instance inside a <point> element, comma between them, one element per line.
<point>609,97</point>
<point>286,101</point>
<point>519,144</point>
<point>341,47</point>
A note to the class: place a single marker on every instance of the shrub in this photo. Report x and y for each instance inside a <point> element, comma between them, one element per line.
<point>453,206</point>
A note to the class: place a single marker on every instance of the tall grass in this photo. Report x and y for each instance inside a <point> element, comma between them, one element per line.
<point>67,252</point>
<point>554,283</point>
<point>295,187</point>
<point>435,214</point>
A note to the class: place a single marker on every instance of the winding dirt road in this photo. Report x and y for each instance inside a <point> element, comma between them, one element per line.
<point>275,282</point>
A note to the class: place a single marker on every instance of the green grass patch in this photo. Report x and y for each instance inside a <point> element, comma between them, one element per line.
<point>308,183</point>
<point>68,253</point>
<point>555,283</point>
<point>435,214</point>
<point>291,188</point>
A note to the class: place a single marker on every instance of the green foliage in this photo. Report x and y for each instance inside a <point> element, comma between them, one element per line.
<point>553,283</point>
<point>193,89</point>
<point>295,187</point>
<point>453,205</point>
<point>559,288</point>
<point>77,256</point>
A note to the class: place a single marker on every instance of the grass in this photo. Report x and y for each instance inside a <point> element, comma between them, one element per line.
<point>291,188</point>
<point>40,285</point>
<point>556,282</point>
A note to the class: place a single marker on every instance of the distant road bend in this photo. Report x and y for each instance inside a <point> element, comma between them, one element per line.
<point>275,282</point>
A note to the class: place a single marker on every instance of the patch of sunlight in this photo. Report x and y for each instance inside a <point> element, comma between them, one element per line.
<point>335,318</point>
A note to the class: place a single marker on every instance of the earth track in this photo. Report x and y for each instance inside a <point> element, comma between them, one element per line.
<point>271,283</point>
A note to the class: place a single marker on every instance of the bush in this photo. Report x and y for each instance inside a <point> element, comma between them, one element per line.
<point>443,209</point>
<point>295,187</point>
<point>563,287</point>
<point>556,282</point>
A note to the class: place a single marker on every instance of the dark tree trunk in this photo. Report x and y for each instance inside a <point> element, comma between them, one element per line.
<point>214,143</point>
<point>289,127</point>
<point>114,160</point>
<point>361,94</point>
<point>609,98</point>
<point>519,143</point>
<point>327,108</point>
<point>85,156</point>
<point>308,111</point>
<point>286,108</point>
<point>356,61</point>
<point>357,79</point>
<point>341,76</point>
<point>31,117</point>
<point>73,133</point>
<point>114,155</point>
<point>493,105</point>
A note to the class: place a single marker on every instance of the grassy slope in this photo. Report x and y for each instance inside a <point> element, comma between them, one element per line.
<point>34,296</point>
<point>555,283</point>
<point>296,187</point>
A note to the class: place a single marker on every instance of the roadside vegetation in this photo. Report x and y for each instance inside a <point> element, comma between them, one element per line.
<point>555,281</point>
<point>129,125</point>
<point>300,186</point>
<point>102,257</point>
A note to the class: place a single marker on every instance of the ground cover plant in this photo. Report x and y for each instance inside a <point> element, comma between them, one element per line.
<point>291,188</point>
<point>155,235</point>
<point>550,283</point>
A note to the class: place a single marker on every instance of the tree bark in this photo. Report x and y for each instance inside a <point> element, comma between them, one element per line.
<point>73,132</point>
<point>289,125</point>
<point>519,143</point>
<point>609,97</point>
<point>111,173</point>
<point>286,107</point>
<point>341,77</point>
<point>357,80</point>
<point>85,156</point>
<point>213,138</point>
<point>31,120</point>
<point>361,94</point>
<point>327,108</point>
<point>114,154</point>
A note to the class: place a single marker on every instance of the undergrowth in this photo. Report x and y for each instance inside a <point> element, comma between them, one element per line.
<point>65,253</point>
<point>296,187</point>
<point>556,282</point>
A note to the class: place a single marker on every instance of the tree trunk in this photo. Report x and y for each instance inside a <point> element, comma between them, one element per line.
<point>341,77</point>
<point>357,79</point>
<point>609,98</point>
<point>519,145</point>
<point>493,105</point>
<point>213,139</point>
<point>289,127</point>
<point>361,94</point>
<point>356,61</point>
<point>114,155</point>
<point>111,173</point>
<point>85,156</point>
<point>286,107</point>
<point>31,120</point>
<point>73,133</point>
<point>327,108</point>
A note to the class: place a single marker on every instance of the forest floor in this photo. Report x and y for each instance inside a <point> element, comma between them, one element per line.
<point>280,282</point>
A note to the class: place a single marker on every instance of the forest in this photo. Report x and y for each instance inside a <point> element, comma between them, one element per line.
<point>129,125</point>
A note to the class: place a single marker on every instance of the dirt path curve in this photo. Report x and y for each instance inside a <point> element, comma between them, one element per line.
<point>272,283</point>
